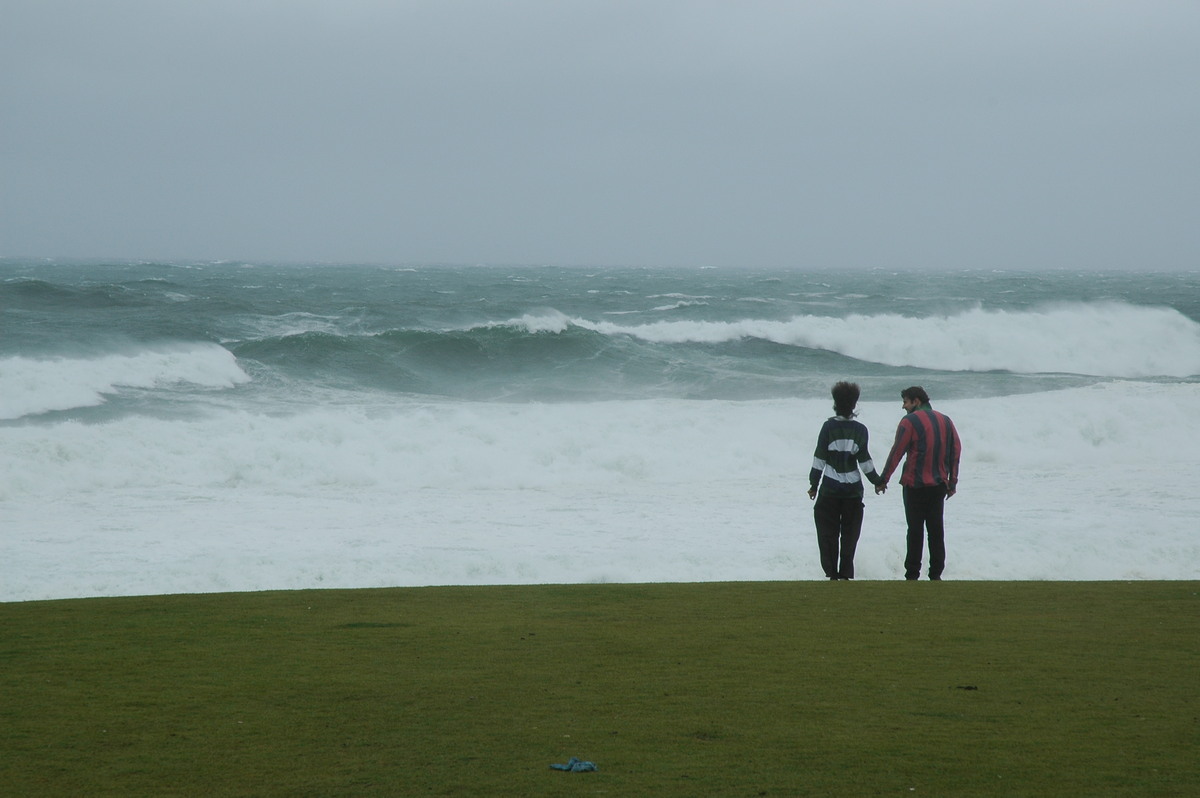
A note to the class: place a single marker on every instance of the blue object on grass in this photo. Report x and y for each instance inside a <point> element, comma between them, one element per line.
<point>576,766</point>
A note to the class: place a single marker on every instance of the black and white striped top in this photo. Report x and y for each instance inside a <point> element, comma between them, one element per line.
<point>841,452</point>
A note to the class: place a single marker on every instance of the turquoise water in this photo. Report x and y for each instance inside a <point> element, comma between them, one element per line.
<point>142,337</point>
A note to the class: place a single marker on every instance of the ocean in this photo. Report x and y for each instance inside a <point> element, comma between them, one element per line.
<point>200,427</point>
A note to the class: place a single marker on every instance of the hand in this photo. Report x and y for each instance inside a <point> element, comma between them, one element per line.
<point>881,488</point>
<point>951,491</point>
<point>812,493</point>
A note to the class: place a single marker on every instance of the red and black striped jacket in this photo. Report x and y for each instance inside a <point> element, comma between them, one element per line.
<point>929,444</point>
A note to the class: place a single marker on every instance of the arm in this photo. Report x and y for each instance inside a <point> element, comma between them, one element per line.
<point>955,454</point>
<point>867,464</point>
<point>904,434</point>
<point>818,466</point>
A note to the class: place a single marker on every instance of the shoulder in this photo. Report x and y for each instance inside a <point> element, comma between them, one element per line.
<point>912,425</point>
<point>941,417</point>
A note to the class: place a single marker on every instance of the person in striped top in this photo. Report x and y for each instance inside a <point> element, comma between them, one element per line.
<point>838,512</point>
<point>930,446</point>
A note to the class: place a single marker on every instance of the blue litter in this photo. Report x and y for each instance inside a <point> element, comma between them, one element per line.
<point>576,766</point>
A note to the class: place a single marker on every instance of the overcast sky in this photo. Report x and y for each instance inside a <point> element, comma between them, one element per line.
<point>1007,134</point>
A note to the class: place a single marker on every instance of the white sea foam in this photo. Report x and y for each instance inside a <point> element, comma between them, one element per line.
<point>546,321</point>
<point>1076,484</point>
<point>680,304</point>
<point>29,386</point>
<point>1108,340</point>
<point>296,323</point>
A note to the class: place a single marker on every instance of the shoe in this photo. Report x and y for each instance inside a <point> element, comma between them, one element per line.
<point>935,579</point>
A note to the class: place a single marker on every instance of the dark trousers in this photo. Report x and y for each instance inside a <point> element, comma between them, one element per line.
<point>923,509</point>
<point>839,523</point>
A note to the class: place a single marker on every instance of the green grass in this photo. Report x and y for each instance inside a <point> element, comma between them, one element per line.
<point>776,689</point>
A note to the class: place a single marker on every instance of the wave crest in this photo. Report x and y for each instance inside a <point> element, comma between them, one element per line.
<point>1103,340</point>
<point>30,386</point>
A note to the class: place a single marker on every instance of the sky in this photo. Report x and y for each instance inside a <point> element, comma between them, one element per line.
<point>1025,134</point>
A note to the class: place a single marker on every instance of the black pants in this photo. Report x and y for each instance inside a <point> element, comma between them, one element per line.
<point>839,523</point>
<point>923,509</point>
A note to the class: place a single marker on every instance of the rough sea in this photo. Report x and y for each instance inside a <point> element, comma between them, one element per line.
<point>196,427</point>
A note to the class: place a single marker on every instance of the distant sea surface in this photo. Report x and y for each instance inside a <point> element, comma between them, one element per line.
<point>106,340</point>
<point>141,401</point>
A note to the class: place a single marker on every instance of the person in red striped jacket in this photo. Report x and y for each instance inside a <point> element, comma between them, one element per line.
<point>930,446</point>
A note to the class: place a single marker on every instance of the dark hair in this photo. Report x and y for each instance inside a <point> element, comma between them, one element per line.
<point>845,397</point>
<point>915,392</point>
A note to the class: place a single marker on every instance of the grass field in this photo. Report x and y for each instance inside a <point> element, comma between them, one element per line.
<point>740,689</point>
